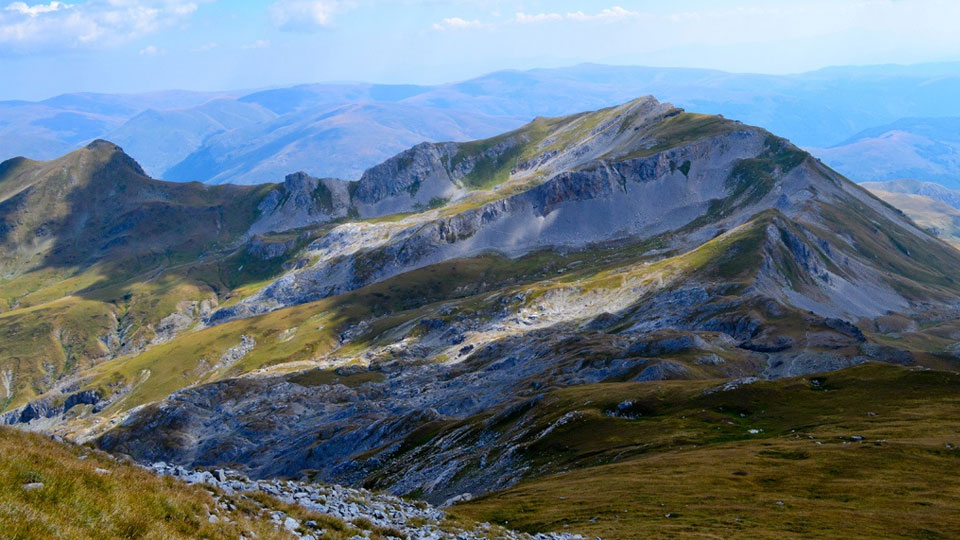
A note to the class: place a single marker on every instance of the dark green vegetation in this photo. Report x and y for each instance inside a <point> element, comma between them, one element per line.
<point>754,177</point>
<point>867,452</point>
<point>491,168</point>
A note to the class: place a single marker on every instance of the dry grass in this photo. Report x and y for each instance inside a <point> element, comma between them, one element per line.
<point>928,213</point>
<point>679,481</point>
<point>77,501</point>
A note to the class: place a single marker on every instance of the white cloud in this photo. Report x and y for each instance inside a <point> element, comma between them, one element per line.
<point>58,26</point>
<point>303,15</point>
<point>32,11</point>
<point>258,44</point>
<point>616,13</point>
<point>456,23</point>
<point>612,14</point>
<point>523,18</point>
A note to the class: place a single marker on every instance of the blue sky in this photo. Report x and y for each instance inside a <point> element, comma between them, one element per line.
<point>51,47</point>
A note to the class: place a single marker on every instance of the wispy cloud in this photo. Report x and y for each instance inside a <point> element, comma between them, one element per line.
<point>608,15</point>
<point>303,15</point>
<point>612,14</point>
<point>616,13</point>
<point>523,18</point>
<point>55,26</point>
<point>457,23</point>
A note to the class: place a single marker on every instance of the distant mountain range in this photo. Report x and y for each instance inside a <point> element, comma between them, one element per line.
<point>339,130</point>
<point>927,149</point>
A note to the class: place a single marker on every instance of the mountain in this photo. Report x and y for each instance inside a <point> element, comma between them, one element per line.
<point>52,127</point>
<point>162,138</point>
<point>339,141</point>
<point>97,205</point>
<point>818,108</point>
<point>341,129</point>
<point>310,96</point>
<point>550,314</point>
<point>927,149</point>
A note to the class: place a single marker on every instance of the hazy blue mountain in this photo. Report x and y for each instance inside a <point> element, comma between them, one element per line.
<point>162,138</point>
<point>340,141</point>
<point>177,135</point>
<point>49,128</point>
<point>305,96</point>
<point>922,148</point>
<point>819,108</point>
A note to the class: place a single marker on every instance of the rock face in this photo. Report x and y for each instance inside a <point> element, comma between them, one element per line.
<point>300,201</point>
<point>413,177</point>
<point>46,409</point>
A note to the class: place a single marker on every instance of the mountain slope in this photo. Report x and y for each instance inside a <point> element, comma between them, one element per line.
<point>394,326</point>
<point>82,494</point>
<point>56,490</point>
<point>86,240</point>
<point>788,458</point>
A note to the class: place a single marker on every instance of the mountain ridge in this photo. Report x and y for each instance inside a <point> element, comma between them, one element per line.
<point>360,331</point>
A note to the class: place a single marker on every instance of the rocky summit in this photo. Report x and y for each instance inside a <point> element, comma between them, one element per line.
<point>484,323</point>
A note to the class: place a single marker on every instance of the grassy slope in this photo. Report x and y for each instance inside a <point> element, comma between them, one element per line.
<point>124,502</point>
<point>928,213</point>
<point>98,248</point>
<point>61,315</point>
<point>691,456</point>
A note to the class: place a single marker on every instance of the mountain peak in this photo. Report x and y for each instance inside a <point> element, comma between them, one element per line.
<point>112,153</point>
<point>101,144</point>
